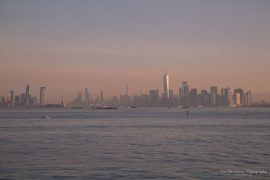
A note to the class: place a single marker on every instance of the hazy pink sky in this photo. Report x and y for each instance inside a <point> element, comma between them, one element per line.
<point>106,45</point>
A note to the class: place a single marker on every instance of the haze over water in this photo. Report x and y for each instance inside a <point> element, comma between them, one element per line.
<point>105,45</point>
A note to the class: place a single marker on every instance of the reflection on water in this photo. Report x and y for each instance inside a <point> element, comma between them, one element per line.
<point>135,143</point>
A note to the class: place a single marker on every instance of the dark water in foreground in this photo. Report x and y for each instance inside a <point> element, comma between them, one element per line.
<point>135,144</point>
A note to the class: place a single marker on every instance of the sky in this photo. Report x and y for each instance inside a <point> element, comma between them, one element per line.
<point>108,44</point>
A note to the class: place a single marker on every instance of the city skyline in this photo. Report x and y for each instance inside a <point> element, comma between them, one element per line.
<point>108,45</point>
<point>163,86</point>
<point>165,91</point>
<point>186,95</point>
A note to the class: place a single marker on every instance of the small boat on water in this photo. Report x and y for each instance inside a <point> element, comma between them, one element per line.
<point>185,107</point>
<point>132,107</point>
<point>104,107</point>
<point>46,117</point>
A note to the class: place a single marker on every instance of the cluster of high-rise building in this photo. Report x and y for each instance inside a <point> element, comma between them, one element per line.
<point>192,97</point>
<point>25,99</point>
<point>186,96</point>
<point>225,97</point>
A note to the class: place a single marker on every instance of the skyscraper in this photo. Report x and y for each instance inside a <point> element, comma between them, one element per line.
<point>230,97</point>
<point>205,98</point>
<point>12,97</point>
<point>154,97</point>
<point>23,99</point>
<point>166,86</point>
<point>223,99</point>
<point>213,94</point>
<point>239,96</point>
<point>247,98</point>
<point>27,94</point>
<point>180,92</point>
<point>86,97</point>
<point>17,100</point>
<point>42,95</point>
<point>171,94</point>
<point>101,97</point>
<point>193,97</point>
<point>185,88</point>
<point>237,99</point>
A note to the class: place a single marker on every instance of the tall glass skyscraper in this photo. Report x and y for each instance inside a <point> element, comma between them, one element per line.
<point>166,86</point>
<point>42,95</point>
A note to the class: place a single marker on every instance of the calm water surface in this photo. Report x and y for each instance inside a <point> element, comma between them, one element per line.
<point>142,143</point>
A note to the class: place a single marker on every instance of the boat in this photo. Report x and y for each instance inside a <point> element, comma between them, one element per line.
<point>76,107</point>
<point>104,107</point>
<point>185,107</point>
<point>46,117</point>
<point>132,107</point>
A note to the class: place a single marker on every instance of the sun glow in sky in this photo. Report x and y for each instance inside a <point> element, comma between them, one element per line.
<point>106,45</point>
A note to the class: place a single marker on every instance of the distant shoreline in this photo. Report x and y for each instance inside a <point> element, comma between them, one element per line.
<point>193,107</point>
